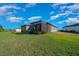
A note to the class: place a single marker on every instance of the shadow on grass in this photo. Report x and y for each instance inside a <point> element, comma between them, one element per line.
<point>28,33</point>
<point>70,32</point>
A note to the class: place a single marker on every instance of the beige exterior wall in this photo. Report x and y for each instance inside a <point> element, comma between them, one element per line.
<point>51,28</point>
<point>44,27</point>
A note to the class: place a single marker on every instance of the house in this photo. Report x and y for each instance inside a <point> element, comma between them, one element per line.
<point>43,26</point>
<point>72,28</point>
<point>39,26</point>
<point>25,28</point>
<point>18,30</point>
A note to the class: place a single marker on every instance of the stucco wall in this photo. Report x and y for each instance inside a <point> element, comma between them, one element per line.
<point>51,28</point>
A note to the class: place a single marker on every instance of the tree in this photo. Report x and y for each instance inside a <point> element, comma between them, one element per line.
<point>1,28</point>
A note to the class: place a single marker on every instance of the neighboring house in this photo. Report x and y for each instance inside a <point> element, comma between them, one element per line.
<point>72,28</point>
<point>18,30</point>
<point>39,26</point>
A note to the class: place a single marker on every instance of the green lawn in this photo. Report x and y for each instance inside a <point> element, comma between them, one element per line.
<point>57,44</point>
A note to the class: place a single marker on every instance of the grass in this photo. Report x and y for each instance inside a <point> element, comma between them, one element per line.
<point>50,44</point>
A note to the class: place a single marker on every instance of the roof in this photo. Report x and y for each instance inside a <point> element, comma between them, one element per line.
<point>38,22</point>
<point>77,24</point>
<point>51,24</point>
<point>26,25</point>
<point>43,22</point>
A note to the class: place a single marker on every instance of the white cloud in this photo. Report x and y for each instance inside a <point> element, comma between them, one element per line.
<point>34,18</point>
<point>54,17</point>
<point>69,21</point>
<point>65,14</point>
<point>15,19</point>
<point>60,22</point>
<point>57,16</point>
<point>64,6</point>
<point>67,10</point>
<point>73,7</point>
<point>57,4</point>
<point>30,5</point>
<point>72,20</point>
<point>5,9</point>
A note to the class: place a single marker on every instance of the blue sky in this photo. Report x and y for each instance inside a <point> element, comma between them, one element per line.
<point>13,15</point>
